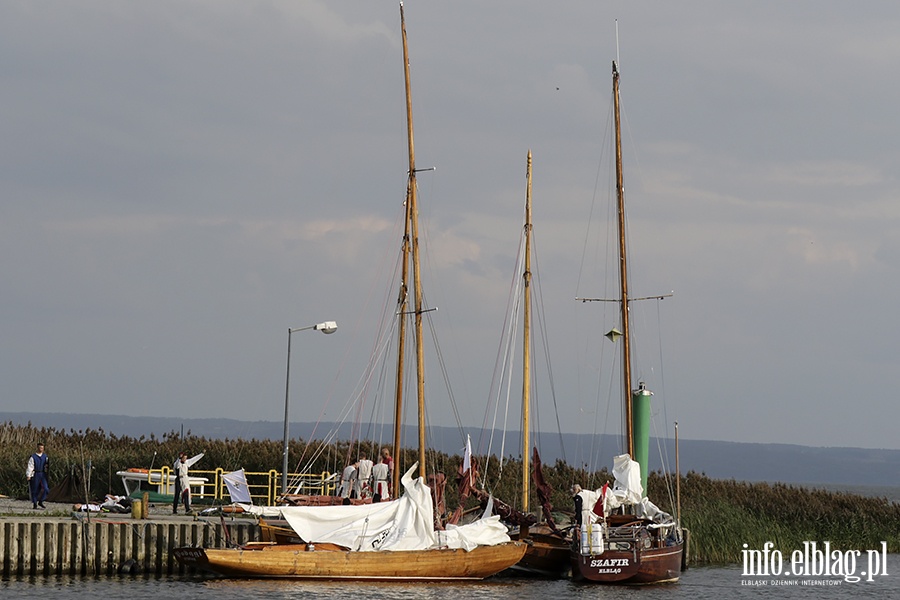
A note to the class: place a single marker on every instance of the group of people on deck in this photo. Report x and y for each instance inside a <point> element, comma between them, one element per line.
<point>365,479</point>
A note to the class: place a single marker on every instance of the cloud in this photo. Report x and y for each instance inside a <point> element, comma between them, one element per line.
<point>201,175</point>
<point>828,173</point>
<point>337,27</point>
<point>818,250</point>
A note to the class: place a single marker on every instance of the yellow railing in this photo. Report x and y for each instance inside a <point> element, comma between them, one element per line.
<point>264,487</point>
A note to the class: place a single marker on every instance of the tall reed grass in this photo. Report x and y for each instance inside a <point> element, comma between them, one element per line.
<point>723,515</point>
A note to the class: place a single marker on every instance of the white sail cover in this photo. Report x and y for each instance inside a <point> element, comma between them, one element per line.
<point>487,531</point>
<point>626,490</point>
<point>402,524</point>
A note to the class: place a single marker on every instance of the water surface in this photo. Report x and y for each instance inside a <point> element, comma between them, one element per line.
<point>699,583</point>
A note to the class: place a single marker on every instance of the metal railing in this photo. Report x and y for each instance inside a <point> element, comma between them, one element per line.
<point>264,486</point>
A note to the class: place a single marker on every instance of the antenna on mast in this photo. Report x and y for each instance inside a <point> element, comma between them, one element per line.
<point>617,43</point>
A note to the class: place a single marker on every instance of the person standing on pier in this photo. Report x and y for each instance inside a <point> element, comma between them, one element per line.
<point>36,473</point>
<point>389,461</point>
<point>182,481</point>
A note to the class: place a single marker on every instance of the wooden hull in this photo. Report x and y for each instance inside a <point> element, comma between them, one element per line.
<point>297,562</point>
<point>545,556</point>
<point>645,566</point>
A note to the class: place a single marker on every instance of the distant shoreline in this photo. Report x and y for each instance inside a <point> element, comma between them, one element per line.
<point>892,493</point>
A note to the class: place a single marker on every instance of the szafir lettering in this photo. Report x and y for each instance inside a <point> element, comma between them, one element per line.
<point>609,562</point>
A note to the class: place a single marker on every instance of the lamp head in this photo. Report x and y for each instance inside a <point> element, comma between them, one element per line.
<point>327,327</point>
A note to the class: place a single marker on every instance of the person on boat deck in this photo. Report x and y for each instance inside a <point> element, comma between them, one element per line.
<point>363,486</point>
<point>386,457</point>
<point>36,473</point>
<point>381,475</point>
<point>182,481</point>
<point>348,482</point>
<point>577,500</point>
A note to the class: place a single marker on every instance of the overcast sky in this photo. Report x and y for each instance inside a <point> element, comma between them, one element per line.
<point>184,180</point>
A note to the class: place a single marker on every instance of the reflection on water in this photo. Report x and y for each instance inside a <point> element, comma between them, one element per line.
<point>290,590</point>
<point>703,583</point>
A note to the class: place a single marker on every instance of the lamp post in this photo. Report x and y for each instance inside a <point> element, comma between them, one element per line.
<point>326,327</point>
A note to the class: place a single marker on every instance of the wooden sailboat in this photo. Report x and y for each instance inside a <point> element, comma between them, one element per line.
<point>627,547</point>
<point>326,562</point>
<point>547,552</point>
<point>369,542</point>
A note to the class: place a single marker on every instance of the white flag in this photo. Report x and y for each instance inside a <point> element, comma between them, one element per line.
<point>467,457</point>
<point>236,482</point>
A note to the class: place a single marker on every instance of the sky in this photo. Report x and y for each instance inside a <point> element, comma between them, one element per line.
<point>182,181</point>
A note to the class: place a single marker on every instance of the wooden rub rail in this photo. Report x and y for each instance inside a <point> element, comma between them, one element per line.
<point>99,547</point>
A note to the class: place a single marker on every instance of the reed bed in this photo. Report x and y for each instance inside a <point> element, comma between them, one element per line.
<point>722,515</point>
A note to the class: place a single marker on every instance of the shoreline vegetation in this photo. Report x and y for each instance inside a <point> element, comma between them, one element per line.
<point>745,513</point>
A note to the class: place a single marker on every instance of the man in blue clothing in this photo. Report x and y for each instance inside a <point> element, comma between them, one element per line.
<point>36,473</point>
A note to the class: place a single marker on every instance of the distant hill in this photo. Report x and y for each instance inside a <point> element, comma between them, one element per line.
<point>786,463</point>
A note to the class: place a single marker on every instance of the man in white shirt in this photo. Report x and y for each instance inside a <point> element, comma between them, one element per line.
<point>182,481</point>
<point>380,474</point>
<point>348,480</point>
<point>363,487</point>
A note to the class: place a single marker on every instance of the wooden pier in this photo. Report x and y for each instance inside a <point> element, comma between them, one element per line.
<point>82,546</point>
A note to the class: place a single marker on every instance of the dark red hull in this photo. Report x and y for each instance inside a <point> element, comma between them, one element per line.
<point>644,566</point>
<point>545,556</point>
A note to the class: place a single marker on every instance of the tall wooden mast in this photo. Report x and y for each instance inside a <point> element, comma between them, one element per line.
<point>403,300</point>
<point>623,271</point>
<point>526,347</point>
<point>411,245</point>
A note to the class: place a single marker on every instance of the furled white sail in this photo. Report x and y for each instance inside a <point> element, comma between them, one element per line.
<point>403,524</point>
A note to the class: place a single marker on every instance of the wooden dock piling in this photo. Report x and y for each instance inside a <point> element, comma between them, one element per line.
<point>47,546</point>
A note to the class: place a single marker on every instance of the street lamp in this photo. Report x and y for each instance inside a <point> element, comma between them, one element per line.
<point>326,327</point>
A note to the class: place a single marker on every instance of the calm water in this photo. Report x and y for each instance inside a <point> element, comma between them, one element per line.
<point>707,583</point>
